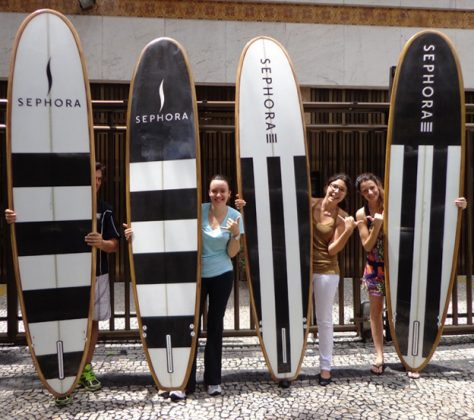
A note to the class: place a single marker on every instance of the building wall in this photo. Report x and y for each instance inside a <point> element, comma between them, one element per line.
<point>334,46</point>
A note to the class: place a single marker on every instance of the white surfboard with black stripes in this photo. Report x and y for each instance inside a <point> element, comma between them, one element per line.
<point>274,181</point>
<point>49,131</point>
<point>424,173</point>
<point>164,209</point>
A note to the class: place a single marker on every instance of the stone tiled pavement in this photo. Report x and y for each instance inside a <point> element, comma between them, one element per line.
<point>445,389</point>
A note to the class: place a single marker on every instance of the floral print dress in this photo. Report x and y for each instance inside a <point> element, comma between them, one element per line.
<point>374,276</point>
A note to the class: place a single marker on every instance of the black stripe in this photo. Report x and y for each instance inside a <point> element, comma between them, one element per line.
<point>48,238</point>
<point>280,274</point>
<point>63,303</point>
<point>251,235</point>
<point>304,229</point>
<point>435,255</point>
<point>48,364</point>
<point>407,237</point>
<point>51,169</point>
<point>166,267</point>
<point>148,206</point>
<point>178,327</point>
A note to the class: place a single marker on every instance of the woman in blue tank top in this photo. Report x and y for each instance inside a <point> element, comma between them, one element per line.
<point>221,227</point>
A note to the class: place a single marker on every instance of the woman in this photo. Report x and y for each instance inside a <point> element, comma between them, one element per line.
<point>370,217</point>
<point>332,228</point>
<point>221,227</point>
<point>370,222</point>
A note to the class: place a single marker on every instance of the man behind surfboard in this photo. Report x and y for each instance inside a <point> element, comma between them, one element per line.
<point>106,241</point>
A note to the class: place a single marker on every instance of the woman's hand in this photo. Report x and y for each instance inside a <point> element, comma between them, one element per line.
<point>10,216</point>
<point>377,219</point>
<point>349,223</point>
<point>239,202</point>
<point>128,232</point>
<point>233,226</point>
<point>460,202</point>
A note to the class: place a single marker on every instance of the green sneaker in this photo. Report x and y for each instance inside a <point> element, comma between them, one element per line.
<point>63,401</point>
<point>88,379</point>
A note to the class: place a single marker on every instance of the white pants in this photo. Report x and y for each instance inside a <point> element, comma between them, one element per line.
<point>325,286</point>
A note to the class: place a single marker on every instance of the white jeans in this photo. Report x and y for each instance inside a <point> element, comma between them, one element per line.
<point>325,286</point>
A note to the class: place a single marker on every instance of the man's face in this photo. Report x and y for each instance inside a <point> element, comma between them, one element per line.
<point>98,179</point>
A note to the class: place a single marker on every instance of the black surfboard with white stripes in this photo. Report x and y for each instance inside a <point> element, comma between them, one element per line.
<point>49,131</point>
<point>164,209</point>
<point>274,178</point>
<point>424,172</point>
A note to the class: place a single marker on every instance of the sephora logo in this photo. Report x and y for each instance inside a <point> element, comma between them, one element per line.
<point>161,116</point>
<point>428,89</point>
<point>47,101</point>
<point>268,100</point>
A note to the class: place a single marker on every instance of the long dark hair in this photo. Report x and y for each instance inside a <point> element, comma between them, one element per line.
<point>369,176</point>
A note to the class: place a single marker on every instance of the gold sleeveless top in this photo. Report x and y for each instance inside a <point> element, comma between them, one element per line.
<point>323,263</point>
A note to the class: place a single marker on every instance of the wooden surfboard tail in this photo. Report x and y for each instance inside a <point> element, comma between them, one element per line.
<point>50,167</point>
<point>267,151</point>
<point>164,209</point>
<point>424,175</point>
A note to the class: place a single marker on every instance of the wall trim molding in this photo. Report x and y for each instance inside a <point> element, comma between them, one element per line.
<point>257,12</point>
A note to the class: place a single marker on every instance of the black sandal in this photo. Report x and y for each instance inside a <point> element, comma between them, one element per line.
<point>377,368</point>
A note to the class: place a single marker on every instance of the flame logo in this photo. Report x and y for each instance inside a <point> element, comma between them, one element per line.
<point>162,95</point>
<point>48,74</point>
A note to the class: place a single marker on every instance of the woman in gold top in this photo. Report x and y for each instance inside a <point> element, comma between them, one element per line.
<point>332,228</point>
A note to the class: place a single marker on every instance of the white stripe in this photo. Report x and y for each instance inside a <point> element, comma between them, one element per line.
<point>71,332</point>
<point>394,218</point>
<point>265,254</point>
<point>450,221</point>
<point>180,361</point>
<point>45,204</point>
<point>173,299</point>
<point>51,271</point>
<point>164,236</point>
<point>293,265</point>
<point>420,253</point>
<point>163,175</point>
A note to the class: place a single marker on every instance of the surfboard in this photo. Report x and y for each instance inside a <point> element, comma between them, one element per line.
<point>273,179</point>
<point>424,175</point>
<point>50,164</point>
<point>164,209</point>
